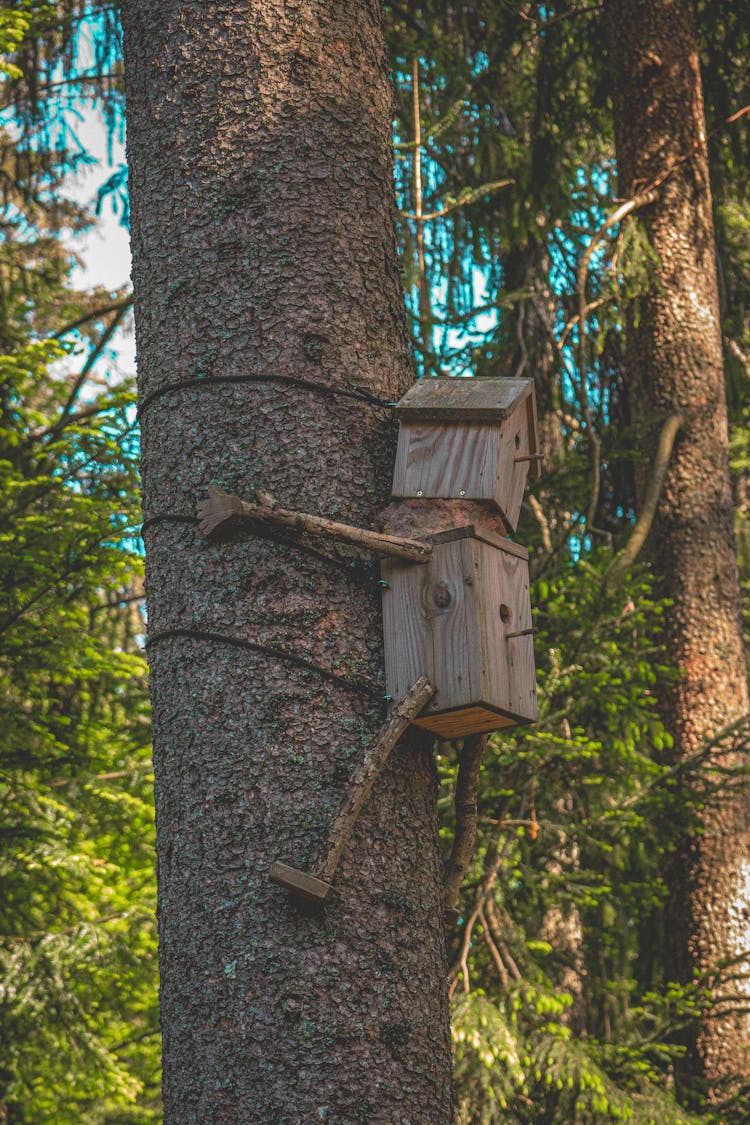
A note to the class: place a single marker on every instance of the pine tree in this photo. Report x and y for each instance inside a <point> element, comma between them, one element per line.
<point>267,289</point>
<point>675,364</point>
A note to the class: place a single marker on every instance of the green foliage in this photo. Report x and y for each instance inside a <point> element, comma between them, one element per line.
<point>579,817</point>
<point>77,941</point>
<point>14,26</point>
<point>739,448</point>
<point>733,237</point>
<point>78,1017</point>
<point>636,265</point>
<point>565,1011</point>
<point>510,1072</point>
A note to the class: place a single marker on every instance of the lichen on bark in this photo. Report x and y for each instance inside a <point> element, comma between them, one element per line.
<point>674,360</point>
<point>263,244</point>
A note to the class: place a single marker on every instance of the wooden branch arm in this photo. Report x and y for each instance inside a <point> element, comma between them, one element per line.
<point>375,758</point>
<point>318,885</point>
<point>222,509</point>
<point>466,818</point>
<point>639,534</point>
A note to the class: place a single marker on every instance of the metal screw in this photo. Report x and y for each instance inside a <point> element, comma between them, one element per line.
<point>419,492</point>
<point>385,585</point>
<point>462,492</point>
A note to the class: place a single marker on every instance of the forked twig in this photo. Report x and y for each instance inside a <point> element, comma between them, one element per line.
<point>222,509</point>
<point>317,886</point>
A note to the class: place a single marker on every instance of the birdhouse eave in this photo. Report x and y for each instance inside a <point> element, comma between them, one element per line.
<point>451,399</point>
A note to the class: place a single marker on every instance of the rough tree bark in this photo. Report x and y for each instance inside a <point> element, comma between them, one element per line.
<point>674,360</point>
<point>264,249</point>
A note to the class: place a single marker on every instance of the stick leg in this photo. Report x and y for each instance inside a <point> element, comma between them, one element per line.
<point>318,885</point>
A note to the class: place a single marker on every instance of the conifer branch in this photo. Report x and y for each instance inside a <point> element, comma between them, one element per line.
<point>66,415</point>
<point>469,196</point>
<point>94,314</point>
<point>543,524</point>
<point>493,862</point>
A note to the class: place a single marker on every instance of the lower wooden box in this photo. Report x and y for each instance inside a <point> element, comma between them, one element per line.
<point>463,619</point>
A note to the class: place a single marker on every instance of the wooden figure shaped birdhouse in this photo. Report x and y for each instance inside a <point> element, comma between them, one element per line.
<point>459,655</point>
<point>472,439</point>
<point>463,620</point>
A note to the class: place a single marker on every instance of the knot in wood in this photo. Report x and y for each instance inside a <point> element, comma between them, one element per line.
<point>441,595</point>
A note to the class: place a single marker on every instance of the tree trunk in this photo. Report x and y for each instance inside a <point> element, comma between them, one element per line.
<point>264,253</point>
<point>675,362</point>
<point>528,339</point>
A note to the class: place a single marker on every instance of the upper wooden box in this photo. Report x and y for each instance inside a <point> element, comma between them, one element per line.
<point>463,619</point>
<point>468,439</point>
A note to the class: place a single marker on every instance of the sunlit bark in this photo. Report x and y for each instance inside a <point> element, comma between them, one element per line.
<point>264,252</point>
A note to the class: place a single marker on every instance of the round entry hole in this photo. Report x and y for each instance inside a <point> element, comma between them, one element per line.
<point>504,614</point>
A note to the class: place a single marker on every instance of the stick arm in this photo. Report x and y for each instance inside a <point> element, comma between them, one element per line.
<point>221,509</point>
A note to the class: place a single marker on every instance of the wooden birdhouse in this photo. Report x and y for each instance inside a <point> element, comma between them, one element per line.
<point>463,620</point>
<point>472,439</point>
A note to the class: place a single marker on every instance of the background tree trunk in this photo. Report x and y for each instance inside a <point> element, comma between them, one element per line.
<point>528,339</point>
<point>674,358</point>
<point>263,244</point>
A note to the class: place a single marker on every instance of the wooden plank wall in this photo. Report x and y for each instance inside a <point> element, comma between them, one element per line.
<point>509,679</point>
<point>449,620</point>
<point>441,461</point>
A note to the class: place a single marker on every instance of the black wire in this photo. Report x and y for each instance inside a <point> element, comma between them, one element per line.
<point>267,650</point>
<point>357,393</point>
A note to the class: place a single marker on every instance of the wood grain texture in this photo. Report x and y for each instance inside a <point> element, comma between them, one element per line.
<point>301,883</point>
<point>220,510</point>
<point>510,474</point>
<point>447,461</point>
<point>483,400</point>
<point>451,458</point>
<point>483,534</point>
<point>449,620</point>
<point>532,423</point>
<point>466,721</point>
<point>509,675</point>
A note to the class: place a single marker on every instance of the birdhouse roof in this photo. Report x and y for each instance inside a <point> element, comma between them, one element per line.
<point>484,400</point>
<point>463,400</point>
